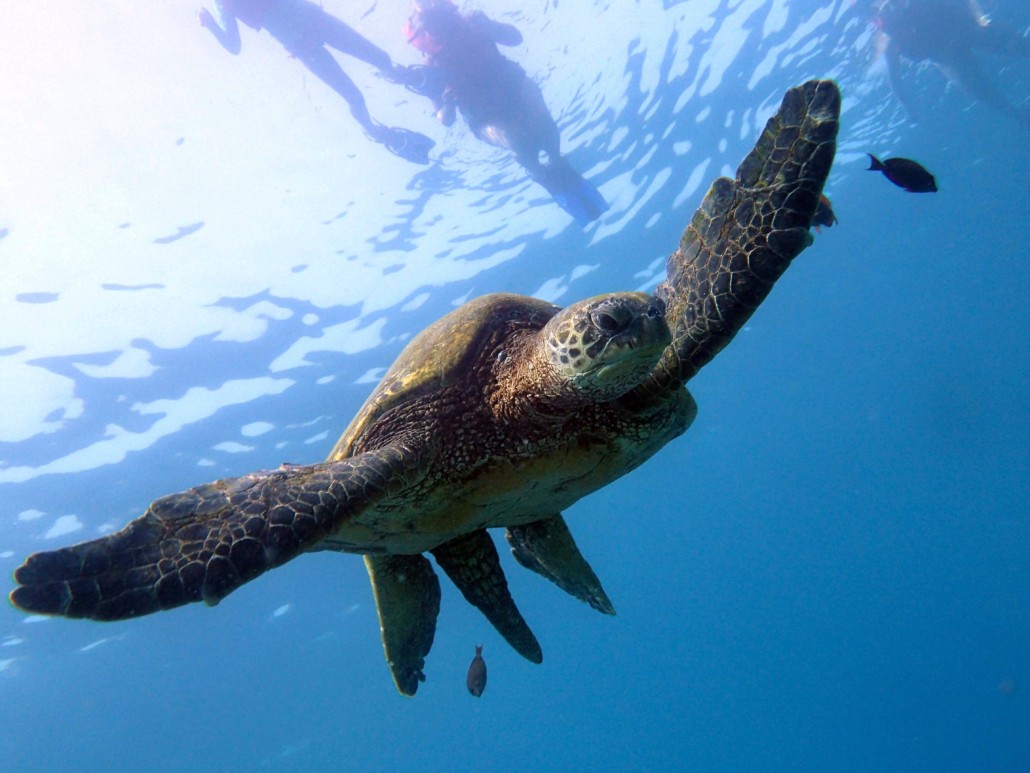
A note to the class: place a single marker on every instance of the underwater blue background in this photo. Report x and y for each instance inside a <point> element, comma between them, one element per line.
<point>829,571</point>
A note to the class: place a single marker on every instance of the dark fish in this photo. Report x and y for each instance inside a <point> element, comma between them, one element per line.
<point>905,173</point>
<point>476,679</point>
<point>824,215</point>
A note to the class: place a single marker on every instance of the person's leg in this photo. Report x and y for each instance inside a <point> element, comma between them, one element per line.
<point>511,114</point>
<point>540,126</point>
<point>345,38</point>
<point>409,145</point>
<point>322,64</point>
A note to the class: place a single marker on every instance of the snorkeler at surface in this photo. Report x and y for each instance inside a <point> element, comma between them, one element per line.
<point>948,33</point>
<point>465,71</point>
<point>305,29</point>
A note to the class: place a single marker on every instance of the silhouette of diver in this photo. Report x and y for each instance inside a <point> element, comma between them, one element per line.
<point>305,29</point>
<point>502,106</point>
<point>948,33</point>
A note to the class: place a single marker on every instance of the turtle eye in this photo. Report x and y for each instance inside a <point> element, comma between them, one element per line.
<point>613,320</point>
<point>656,308</point>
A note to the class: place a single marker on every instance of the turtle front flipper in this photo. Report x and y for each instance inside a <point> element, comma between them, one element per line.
<point>201,544</point>
<point>747,231</point>
<point>472,563</point>
<point>547,547</point>
<point>407,595</point>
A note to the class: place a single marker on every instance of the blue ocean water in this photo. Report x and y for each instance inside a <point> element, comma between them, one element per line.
<point>206,268</point>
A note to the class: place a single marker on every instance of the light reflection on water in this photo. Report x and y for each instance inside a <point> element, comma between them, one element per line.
<point>269,223</point>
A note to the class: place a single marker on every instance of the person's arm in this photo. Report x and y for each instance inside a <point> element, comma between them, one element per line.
<point>229,37</point>
<point>500,33</point>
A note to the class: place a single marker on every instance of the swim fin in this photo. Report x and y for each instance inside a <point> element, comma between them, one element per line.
<point>584,202</point>
<point>572,192</point>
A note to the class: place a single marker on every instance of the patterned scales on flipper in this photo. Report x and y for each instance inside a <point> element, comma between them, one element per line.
<point>472,563</point>
<point>747,231</point>
<point>203,543</point>
<point>547,547</point>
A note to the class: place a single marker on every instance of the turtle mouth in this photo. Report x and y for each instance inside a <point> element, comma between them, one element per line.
<point>641,340</point>
<point>631,356</point>
<point>632,352</point>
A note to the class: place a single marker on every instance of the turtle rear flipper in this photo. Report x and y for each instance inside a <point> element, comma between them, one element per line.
<point>472,563</point>
<point>407,595</point>
<point>747,231</point>
<point>201,544</point>
<point>546,546</point>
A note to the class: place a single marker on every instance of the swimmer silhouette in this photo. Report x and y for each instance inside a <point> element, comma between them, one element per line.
<point>948,33</point>
<point>502,106</point>
<point>305,29</point>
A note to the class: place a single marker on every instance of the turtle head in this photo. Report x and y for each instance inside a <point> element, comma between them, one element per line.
<point>602,347</point>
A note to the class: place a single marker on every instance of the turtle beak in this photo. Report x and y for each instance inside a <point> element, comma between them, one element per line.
<point>639,345</point>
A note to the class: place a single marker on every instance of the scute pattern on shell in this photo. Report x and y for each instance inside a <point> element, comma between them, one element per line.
<point>440,355</point>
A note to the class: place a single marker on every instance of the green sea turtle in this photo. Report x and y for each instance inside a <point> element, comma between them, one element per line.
<point>501,414</point>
